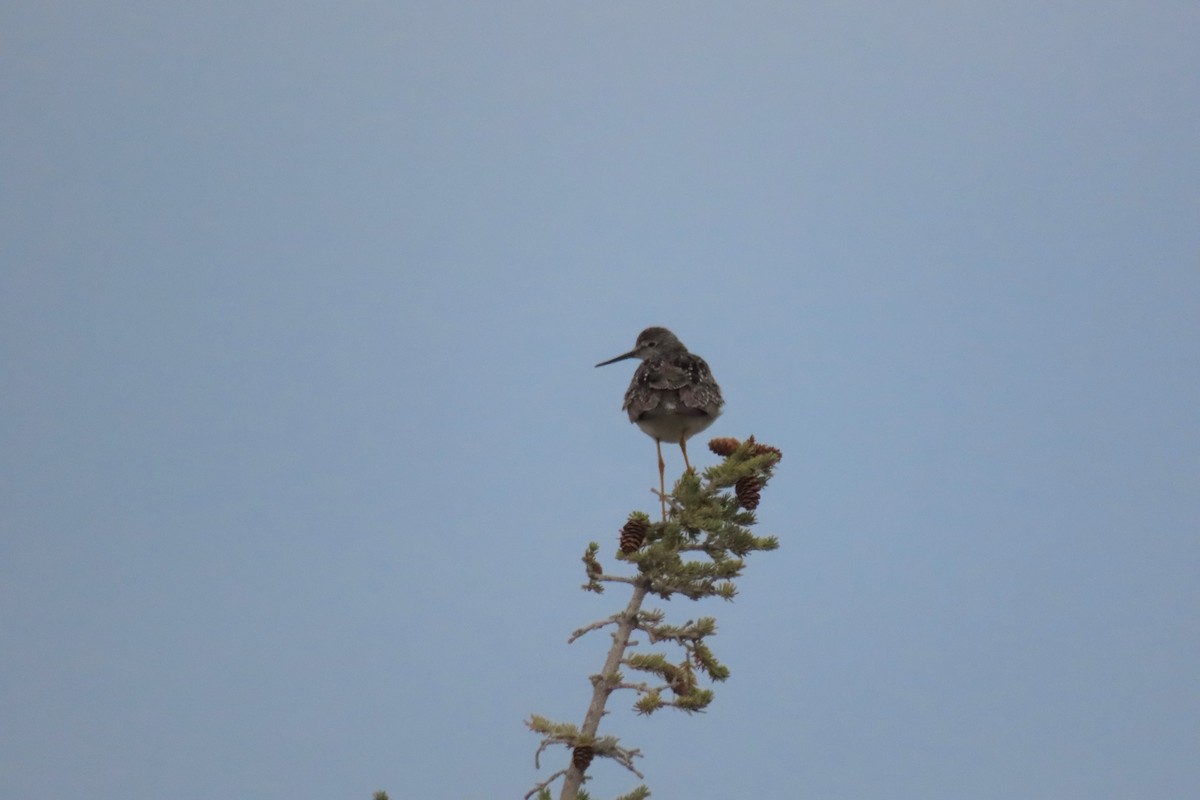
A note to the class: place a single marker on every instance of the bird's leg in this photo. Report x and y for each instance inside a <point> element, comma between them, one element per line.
<point>683,447</point>
<point>662,485</point>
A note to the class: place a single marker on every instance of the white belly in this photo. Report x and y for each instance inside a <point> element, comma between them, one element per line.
<point>674,428</point>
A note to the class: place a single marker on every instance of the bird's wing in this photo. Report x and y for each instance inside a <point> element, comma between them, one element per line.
<point>701,392</point>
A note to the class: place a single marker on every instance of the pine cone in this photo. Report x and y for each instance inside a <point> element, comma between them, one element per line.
<point>583,756</point>
<point>760,449</point>
<point>633,535</point>
<point>747,490</point>
<point>724,446</point>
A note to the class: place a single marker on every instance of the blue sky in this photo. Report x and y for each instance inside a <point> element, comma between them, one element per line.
<point>301,439</point>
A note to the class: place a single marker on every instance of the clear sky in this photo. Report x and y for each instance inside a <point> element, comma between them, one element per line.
<point>302,442</point>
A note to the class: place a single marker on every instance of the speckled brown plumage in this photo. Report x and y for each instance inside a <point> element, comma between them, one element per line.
<point>672,395</point>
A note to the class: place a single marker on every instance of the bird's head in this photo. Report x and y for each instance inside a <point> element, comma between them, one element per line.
<point>650,342</point>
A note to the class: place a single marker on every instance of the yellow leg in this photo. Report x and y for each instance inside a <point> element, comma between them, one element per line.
<point>662,482</point>
<point>683,447</point>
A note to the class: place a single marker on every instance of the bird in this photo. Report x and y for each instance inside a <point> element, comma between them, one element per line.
<point>672,396</point>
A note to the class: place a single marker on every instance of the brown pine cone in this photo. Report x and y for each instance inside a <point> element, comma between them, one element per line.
<point>633,535</point>
<point>583,756</point>
<point>747,490</point>
<point>724,446</point>
<point>760,449</point>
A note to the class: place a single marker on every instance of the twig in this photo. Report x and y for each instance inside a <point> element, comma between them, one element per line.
<point>595,626</point>
<point>545,783</point>
<point>625,759</point>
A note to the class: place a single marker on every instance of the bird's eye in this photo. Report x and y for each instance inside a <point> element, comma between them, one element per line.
<point>651,343</point>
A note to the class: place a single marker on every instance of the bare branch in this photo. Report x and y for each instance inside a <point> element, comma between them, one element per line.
<point>595,626</point>
<point>643,688</point>
<point>537,757</point>
<point>625,759</point>
<point>545,783</point>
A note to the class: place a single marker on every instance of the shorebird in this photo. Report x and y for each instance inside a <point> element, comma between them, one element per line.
<point>672,395</point>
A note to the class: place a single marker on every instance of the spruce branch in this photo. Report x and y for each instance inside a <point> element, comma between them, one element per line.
<point>698,551</point>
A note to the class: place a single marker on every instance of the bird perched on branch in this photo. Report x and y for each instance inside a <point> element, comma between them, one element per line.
<point>672,395</point>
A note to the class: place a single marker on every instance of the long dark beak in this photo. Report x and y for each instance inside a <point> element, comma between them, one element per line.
<point>630,354</point>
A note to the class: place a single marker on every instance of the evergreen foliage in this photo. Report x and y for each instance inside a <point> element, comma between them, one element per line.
<point>697,551</point>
